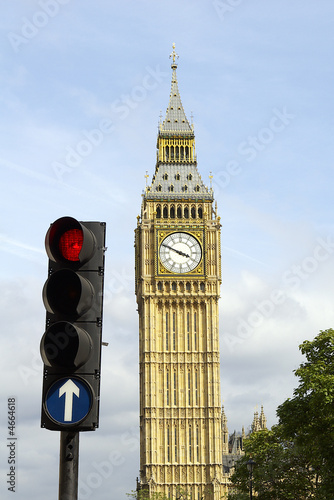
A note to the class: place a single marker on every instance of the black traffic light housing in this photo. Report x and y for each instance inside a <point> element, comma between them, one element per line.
<point>71,344</point>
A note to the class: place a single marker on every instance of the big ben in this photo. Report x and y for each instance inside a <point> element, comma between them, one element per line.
<point>178,277</point>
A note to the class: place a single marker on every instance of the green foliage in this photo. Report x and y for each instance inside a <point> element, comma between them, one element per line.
<point>280,469</point>
<point>295,459</point>
<point>308,417</point>
<point>144,495</point>
<point>234,495</point>
<point>180,494</point>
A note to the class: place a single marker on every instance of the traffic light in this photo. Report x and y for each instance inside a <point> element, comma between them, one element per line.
<point>71,344</point>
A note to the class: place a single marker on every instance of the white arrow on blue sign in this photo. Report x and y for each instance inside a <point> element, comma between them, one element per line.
<point>68,400</point>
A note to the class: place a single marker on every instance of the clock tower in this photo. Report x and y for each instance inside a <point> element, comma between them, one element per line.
<point>178,277</point>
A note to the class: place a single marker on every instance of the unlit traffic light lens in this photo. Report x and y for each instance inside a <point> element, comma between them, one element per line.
<point>68,293</point>
<point>66,345</point>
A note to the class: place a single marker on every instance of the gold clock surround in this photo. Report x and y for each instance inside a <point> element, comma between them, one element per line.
<point>161,270</point>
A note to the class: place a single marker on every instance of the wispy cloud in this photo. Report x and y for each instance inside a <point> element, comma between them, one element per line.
<point>28,172</point>
<point>242,255</point>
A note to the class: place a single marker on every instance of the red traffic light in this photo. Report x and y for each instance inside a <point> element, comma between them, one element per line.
<point>70,244</point>
<point>69,241</point>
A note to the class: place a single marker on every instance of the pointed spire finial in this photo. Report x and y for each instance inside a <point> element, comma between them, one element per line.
<point>174,56</point>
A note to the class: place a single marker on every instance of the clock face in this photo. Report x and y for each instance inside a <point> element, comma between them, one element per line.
<point>180,252</point>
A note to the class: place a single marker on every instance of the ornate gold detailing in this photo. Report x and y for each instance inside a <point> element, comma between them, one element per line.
<point>174,56</point>
<point>162,234</point>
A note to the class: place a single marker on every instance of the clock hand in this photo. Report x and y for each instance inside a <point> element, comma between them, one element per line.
<point>182,253</point>
<point>177,251</point>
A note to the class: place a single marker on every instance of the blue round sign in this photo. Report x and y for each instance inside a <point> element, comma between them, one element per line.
<point>69,400</point>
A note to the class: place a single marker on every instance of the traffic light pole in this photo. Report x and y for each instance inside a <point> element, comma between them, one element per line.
<point>68,465</point>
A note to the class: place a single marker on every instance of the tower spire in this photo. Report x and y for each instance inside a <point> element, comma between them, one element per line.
<point>175,120</point>
<point>176,174</point>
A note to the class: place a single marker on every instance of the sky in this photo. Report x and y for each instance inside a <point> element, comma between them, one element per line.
<point>82,86</point>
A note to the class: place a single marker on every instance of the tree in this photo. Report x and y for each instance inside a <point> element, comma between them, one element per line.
<point>280,468</point>
<point>308,418</point>
<point>234,495</point>
<point>143,494</point>
<point>297,455</point>
<point>180,494</point>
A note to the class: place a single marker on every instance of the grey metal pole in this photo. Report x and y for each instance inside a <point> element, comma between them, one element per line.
<point>68,465</point>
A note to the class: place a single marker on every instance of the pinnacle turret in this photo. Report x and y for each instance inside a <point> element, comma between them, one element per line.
<point>262,419</point>
<point>224,432</point>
